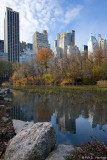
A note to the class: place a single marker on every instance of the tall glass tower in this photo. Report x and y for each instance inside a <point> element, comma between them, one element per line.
<point>11,35</point>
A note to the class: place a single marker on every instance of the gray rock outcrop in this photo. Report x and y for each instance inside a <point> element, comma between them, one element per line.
<point>60,152</point>
<point>20,125</point>
<point>33,143</point>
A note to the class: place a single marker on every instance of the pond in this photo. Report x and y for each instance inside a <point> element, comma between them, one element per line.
<point>75,117</point>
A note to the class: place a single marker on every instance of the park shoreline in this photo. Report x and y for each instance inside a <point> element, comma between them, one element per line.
<point>59,89</point>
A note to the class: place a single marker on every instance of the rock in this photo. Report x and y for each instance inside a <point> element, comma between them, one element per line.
<point>4,91</point>
<point>8,99</point>
<point>33,143</point>
<point>7,90</point>
<point>60,152</point>
<point>11,90</point>
<point>5,119</point>
<point>20,125</point>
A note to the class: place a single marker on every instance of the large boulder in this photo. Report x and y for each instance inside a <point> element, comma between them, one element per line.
<point>33,143</point>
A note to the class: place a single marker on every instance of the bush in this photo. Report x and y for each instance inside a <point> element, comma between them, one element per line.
<point>102,83</point>
<point>67,81</point>
<point>48,78</point>
<point>93,150</point>
<point>85,81</point>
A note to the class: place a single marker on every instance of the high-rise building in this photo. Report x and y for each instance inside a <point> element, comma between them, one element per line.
<point>84,51</point>
<point>23,46</point>
<point>3,56</point>
<point>95,46</point>
<point>11,35</point>
<point>1,46</point>
<point>92,47</point>
<point>103,46</point>
<point>40,41</point>
<point>64,45</point>
<point>30,46</point>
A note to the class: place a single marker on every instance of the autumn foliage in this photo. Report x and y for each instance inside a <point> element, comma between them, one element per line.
<point>44,57</point>
<point>46,69</point>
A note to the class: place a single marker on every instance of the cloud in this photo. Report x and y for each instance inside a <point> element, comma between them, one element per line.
<point>37,15</point>
<point>72,14</point>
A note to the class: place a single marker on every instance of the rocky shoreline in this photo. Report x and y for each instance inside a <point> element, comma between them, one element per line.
<point>6,126</point>
<point>36,142</point>
<point>4,93</point>
<point>6,129</point>
<point>11,129</point>
<point>59,152</point>
<point>28,141</point>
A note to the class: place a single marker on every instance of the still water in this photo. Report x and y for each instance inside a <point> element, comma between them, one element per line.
<point>75,117</point>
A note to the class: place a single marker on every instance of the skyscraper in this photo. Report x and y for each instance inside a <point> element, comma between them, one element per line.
<point>64,45</point>
<point>40,41</point>
<point>103,46</point>
<point>11,35</point>
<point>92,47</point>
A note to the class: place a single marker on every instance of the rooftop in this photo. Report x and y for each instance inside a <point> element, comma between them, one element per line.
<point>63,34</point>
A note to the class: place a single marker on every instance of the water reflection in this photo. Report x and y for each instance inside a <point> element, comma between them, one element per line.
<point>75,116</point>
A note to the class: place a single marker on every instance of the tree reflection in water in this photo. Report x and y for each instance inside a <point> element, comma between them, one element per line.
<point>80,115</point>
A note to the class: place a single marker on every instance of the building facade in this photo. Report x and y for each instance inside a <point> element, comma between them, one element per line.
<point>92,47</point>
<point>40,41</point>
<point>64,45</point>
<point>1,46</point>
<point>23,46</point>
<point>30,46</point>
<point>11,35</point>
<point>27,56</point>
<point>3,56</point>
<point>84,51</point>
<point>103,46</point>
<point>97,45</point>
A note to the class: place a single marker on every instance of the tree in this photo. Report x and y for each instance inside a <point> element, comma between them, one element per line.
<point>16,66</point>
<point>99,56</point>
<point>43,58</point>
<point>6,69</point>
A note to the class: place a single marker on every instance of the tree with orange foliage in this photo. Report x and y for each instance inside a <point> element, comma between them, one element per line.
<point>44,57</point>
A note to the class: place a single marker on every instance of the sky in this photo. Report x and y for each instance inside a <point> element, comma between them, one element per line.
<point>58,16</point>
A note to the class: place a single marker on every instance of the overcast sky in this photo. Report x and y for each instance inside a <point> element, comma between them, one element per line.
<point>58,16</point>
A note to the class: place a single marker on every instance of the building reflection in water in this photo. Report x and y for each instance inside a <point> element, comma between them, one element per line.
<point>66,108</point>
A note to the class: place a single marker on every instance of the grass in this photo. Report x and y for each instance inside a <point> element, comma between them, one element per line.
<point>60,89</point>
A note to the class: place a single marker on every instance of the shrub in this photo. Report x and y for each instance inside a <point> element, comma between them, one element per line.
<point>48,78</point>
<point>93,150</point>
<point>67,81</point>
<point>102,83</point>
<point>85,81</point>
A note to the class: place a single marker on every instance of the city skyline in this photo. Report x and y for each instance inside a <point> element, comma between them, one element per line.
<point>85,17</point>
